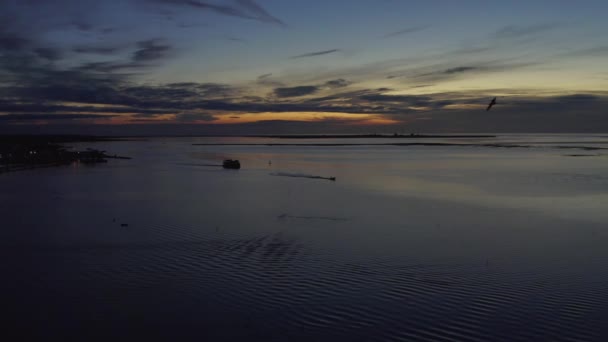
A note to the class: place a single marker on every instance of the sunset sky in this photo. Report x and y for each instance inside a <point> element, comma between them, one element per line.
<point>286,66</point>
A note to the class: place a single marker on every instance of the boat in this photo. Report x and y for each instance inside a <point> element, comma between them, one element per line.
<point>231,164</point>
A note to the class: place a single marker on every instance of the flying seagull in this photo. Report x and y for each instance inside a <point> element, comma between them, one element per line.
<point>493,102</point>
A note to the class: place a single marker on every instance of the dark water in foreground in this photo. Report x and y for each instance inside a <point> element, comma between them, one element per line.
<point>409,243</point>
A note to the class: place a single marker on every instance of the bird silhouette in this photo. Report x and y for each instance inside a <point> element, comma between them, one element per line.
<point>493,102</point>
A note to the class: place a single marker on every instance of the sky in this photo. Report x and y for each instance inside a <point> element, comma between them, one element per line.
<point>134,67</point>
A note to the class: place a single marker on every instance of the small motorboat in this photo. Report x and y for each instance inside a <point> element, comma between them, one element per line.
<point>231,164</point>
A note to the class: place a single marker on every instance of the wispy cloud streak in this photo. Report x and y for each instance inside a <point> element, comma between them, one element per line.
<point>314,54</point>
<point>514,31</point>
<point>245,9</point>
<point>404,31</point>
<point>260,12</point>
<point>150,50</point>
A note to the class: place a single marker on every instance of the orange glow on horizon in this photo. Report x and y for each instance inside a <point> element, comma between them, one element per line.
<point>346,118</point>
<point>465,106</point>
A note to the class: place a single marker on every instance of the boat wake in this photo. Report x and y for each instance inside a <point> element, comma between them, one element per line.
<point>300,175</point>
<point>326,218</point>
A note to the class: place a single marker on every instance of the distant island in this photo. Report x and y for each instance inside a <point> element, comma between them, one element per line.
<point>23,152</point>
<point>376,136</point>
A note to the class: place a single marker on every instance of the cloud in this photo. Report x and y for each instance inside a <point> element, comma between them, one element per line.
<point>118,97</point>
<point>318,53</point>
<point>52,107</point>
<point>400,100</point>
<point>73,35</point>
<point>459,70</point>
<point>66,62</point>
<point>513,31</point>
<point>337,83</point>
<point>220,9</point>
<point>421,86</point>
<point>142,94</point>
<point>80,81</point>
<point>149,50</point>
<point>206,90</point>
<point>261,13</point>
<point>589,52</point>
<point>11,41</point>
<point>34,55</point>
<point>8,43</point>
<point>578,98</point>
<point>235,39</point>
<point>46,117</point>
<point>101,50</point>
<point>182,85</point>
<point>295,91</point>
<point>50,54</point>
<point>269,81</point>
<point>404,31</point>
<point>430,74</point>
<point>108,30</point>
<point>83,26</point>
<point>109,67</point>
<point>558,114</point>
<point>195,117</point>
<point>263,77</point>
<point>197,103</point>
<point>245,9</point>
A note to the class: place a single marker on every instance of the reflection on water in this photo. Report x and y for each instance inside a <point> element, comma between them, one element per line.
<point>409,243</point>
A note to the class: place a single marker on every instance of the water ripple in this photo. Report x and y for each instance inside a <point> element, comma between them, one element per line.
<point>294,287</point>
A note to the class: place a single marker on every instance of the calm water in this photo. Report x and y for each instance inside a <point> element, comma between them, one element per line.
<point>409,243</point>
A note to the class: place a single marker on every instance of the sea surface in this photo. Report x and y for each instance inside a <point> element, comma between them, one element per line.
<point>477,241</point>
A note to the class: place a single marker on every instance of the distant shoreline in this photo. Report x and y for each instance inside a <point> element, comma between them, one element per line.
<point>376,136</point>
<point>55,138</point>
<point>586,148</point>
<point>65,138</point>
<point>26,152</point>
